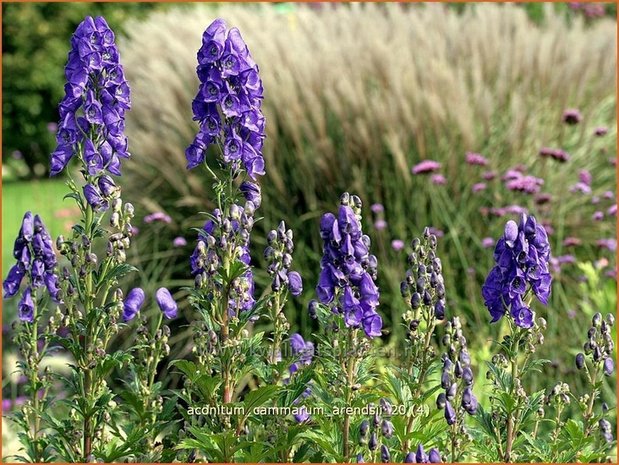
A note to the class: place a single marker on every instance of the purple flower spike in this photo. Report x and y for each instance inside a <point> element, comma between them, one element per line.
<point>230,86</point>
<point>348,269</point>
<point>434,456</point>
<point>96,88</point>
<point>166,303</point>
<point>133,303</point>
<point>522,257</point>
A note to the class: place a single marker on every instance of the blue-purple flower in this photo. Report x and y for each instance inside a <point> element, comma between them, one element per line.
<point>35,262</point>
<point>348,270</point>
<point>166,302</point>
<point>132,304</point>
<point>522,256</point>
<point>228,102</point>
<point>92,112</point>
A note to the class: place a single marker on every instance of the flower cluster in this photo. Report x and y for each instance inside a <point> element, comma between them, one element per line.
<point>278,254</point>
<point>228,102</point>
<point>371,432</point>
<point>456,377</point>
<point>522,256</point>
<point>599,346</point>
<point>517,181</point>
<point>426,166</point>
<point>348,270</point>
<point>478,159</point>
<point>424,287</point>
<point>92,112</point>
<point>226,237</point>
<point>433,456</point>
<point>36,260</point>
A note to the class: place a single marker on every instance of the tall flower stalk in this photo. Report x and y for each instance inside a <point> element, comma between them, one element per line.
<point>349,298</point>
<point>91,130</point>
<point>36,265</point>
<point>521,273</point>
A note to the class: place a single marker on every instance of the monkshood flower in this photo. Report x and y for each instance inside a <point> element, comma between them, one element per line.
<point>420,456</point>
<point>36,262</point>
<point>223,237</point>
<point>92,112</point>
<point>521,257</point>
<point>228,102</point>
<point>166,303</point>
<point>348,270</point>
<point>132,303</point>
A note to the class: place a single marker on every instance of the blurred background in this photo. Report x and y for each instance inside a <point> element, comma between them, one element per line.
<point>356,96</point>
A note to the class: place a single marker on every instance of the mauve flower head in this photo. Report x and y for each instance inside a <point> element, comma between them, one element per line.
<point>543,198</point>
<point>92,112</point>
<point>556,154</point>
<point>397,244</point>
<point>612,210</point>
<point>585,177</point>
<point>478,159</point>
<point>426,166</point>
<point>436,231</point>
<point>522,256</point>
<point>597,216</point>
<point>487,242</point>
<point>348,270</point>
<point>132,303</point>
<point>380,225</point>
<point>166,303</point>
<point>489,175</point>
<point>377,208</point>
<point>478,187</point>
<point>593,10</point>
<point>572,116</point>
<point>158,216</point>
<point>525,183</point>
<point>179,241</point>
<point>228,102</point>
<point>438,179</point>
<point>609,244</point>
<point>600,131</point>
<point>608,195</point>
<point>580,187</point>
<point>571,241</point>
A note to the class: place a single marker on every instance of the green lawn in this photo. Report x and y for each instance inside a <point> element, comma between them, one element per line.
<point>43,197</point>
